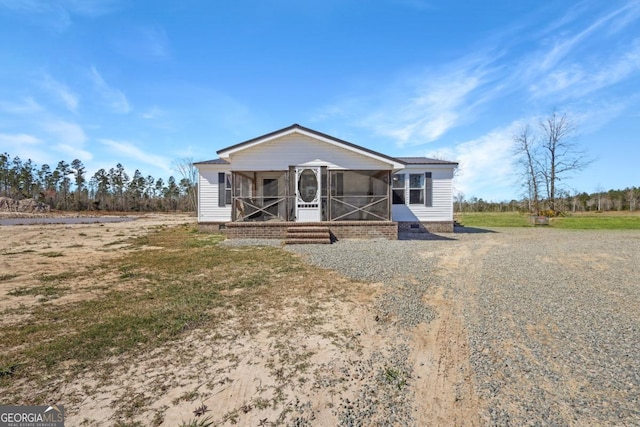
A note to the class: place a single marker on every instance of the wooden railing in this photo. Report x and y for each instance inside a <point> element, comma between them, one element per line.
<point>363,204</point>
<point>261,208</point>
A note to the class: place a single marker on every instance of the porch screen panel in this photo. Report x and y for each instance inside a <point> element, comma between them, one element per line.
<point>261,196</point>
<point>243,190</point>
<point>359,195</point>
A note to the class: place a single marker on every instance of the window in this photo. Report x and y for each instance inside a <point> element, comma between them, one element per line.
<point>397,188</point>
<point>416,188</point>
<point>420,189</point>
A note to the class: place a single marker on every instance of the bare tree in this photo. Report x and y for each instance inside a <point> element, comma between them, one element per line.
<point>525,155</point>
<point>548,156</point>
<point>189,181</point>
<point>561,154</point>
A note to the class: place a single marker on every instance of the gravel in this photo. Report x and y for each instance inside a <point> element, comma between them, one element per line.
<point>555,328</point>
<point>552,316</point>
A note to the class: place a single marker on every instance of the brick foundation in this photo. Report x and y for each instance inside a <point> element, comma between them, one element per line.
<point>278,230</point>
<point>426,227</point>
<point>211,227</point>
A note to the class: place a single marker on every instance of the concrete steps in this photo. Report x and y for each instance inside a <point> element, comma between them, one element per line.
<point>307,235</point>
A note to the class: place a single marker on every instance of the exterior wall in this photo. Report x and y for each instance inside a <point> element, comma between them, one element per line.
<point>297,149</point>
<point>442,209</point>
<point>208,210</point>
<point>339,230</point>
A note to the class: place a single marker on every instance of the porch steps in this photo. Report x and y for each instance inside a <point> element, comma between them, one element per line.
<point>306,235</point>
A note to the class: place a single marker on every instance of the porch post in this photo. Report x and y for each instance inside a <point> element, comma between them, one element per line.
<point>389,195</point>
<point>292,192</point>
<point>233,197</point>
<point>329,173</point>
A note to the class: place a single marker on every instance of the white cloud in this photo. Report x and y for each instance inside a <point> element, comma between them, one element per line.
<point>74,152</point>
<point>27,106</point>
<point>115,98</point>
<point>66,133</point>
<point>486,164</point>
<point>563,47</point>
<point>570,69</point>
<point>152,113</point>
<point>69,99</point>
<point>148,42</point>
<point>422,108</point>
<point>91,7</point>
<point>68,138</point>
<point>57,14</point>
<point>18,139</point>
<point>128,149</point>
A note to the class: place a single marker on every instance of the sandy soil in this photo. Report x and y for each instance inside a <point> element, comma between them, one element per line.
<point>29,251</point>
<point>291,372</point>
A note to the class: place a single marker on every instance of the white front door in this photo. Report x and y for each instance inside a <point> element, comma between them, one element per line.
<point>308,194</point>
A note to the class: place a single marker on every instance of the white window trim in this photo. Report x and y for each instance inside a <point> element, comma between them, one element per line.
<point>409,188</point>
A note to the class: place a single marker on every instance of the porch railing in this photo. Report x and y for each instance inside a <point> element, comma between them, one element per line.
<point>360,208</point>
<point>282,208</point>
<point>263,208</point>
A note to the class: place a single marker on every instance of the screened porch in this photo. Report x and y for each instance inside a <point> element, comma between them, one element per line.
<point>338,195</point>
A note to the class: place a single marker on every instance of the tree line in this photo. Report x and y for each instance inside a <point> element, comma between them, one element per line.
<point>627,199</point>
<point>68,187</point>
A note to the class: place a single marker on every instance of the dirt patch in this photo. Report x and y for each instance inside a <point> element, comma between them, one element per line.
<point>34,258</point>
<point>311,348</point>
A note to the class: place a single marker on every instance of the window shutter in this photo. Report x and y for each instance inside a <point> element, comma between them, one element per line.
<point>221,189</point>
<point>428,190</point>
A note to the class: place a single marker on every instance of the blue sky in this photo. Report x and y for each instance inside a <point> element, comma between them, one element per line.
<point>144,83</point>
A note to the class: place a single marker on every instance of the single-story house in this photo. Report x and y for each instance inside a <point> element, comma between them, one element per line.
<point>299,177</point>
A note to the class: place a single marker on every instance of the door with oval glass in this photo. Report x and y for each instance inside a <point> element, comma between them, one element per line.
<point>308,193</point>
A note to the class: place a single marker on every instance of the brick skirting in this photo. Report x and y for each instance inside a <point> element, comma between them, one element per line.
<point>210,227</point>
<point>278,230</point>
<point>339,229</point>
<point>426,227</point>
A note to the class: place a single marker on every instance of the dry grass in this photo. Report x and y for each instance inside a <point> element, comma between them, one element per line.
<point>164,286</point>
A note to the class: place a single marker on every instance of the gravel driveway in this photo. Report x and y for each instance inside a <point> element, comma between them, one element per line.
<point>551,317</point>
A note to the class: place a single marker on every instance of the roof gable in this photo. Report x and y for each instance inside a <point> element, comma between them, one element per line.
<point>296,128</point>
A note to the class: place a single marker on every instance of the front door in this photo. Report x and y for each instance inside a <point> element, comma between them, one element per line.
<point>308,193</point>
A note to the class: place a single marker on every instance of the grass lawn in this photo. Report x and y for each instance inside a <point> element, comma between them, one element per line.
<point>578,221</point>
<point>169,282</point>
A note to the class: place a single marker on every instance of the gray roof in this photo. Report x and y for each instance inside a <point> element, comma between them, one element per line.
<point>424,161</point>
<point>404,160</point>
<point>314,132</point>
<point>213,162</point>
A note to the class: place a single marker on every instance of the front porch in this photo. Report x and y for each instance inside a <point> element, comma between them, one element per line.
<point>308,194</point>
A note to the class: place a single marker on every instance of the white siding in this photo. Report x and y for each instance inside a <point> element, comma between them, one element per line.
<point>208,210</point>
<point>442,209</point>
<point>296,149</point>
